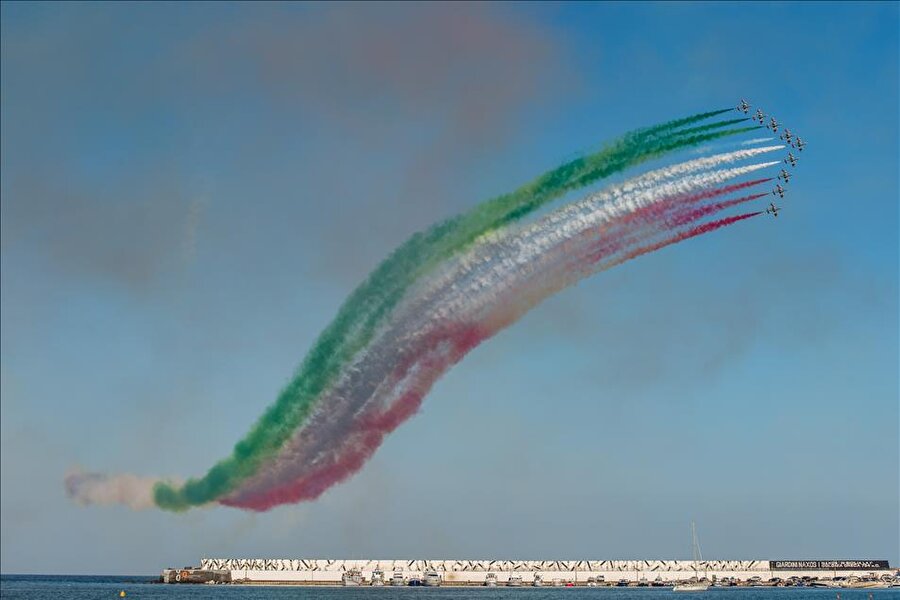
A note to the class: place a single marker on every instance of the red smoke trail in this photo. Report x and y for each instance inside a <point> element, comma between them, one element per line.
<point>684,235</point>
<point>662,207</point>
<point>669,208</point>
<point>653,211</point>
<point>517,302</point>
<point>373,425</point>
<point>625,236</point>
<point>358,447</point>
<point>689,216</point>
<point>726,189</point>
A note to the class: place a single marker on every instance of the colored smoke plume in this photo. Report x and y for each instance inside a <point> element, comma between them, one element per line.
<point>440,294</point>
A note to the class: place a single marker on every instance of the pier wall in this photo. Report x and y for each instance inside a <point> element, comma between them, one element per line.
<point>473,572</point>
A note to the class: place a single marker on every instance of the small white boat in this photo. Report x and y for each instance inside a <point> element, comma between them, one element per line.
<point>397,579</point>
<point>377,578</point>
<point>691,586</point>
<point>490,580</point>
<point>864,584</point>
<point>514,581</point>
<point>431,579</point>
<point>538,581</point>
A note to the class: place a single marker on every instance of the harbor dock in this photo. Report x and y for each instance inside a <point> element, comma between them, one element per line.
<point>594,573</point>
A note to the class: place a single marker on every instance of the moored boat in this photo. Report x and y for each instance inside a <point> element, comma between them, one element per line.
<point>351,578</point>
<point>691,586</point>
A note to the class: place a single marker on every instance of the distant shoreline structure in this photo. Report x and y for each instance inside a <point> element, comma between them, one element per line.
<point>524,572</point>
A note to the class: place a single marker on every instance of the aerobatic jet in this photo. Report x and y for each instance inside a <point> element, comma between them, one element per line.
<point>778,190</point>
<point>791,159</point>
<point>773,210</point>
<point>744,107</point>
<point>773,125</point>
<point>784,175</point>
<point>786,136</point>
<point>760,116</point>
<point>800,144</point>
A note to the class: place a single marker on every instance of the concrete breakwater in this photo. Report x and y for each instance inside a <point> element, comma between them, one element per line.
<point>524,572</point>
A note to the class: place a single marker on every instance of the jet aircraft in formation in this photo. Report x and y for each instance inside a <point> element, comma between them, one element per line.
<point>790,138</point>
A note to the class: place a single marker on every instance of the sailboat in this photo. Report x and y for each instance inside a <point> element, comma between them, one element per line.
<point>696,584</point>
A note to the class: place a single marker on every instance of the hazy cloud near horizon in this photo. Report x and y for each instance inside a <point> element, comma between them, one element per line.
<point>402,100</point>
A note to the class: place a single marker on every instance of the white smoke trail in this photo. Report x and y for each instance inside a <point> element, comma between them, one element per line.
<point>757,141</point>
<point>590,204</point>
<point>722,146</point>
<point>99,488</point>
<point>490,265</point>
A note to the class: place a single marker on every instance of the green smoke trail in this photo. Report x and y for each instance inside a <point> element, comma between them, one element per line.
<point>356,321</point>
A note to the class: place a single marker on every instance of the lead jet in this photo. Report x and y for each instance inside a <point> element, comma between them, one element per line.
<point>791,159</point>
<point>784,175</point>
<point>778,191</point>
<point>760,116</point>
<point>743,106</point>
<point>800,144</point>
<point>773,125</point>
<point>773,210</point>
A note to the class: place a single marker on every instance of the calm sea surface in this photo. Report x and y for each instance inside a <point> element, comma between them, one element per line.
<point>32,587</point>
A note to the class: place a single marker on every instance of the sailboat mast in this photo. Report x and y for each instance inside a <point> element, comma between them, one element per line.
<point>698,556</point>
<point>696,584</point>
<point>694,542</point>
<point>695,548</point>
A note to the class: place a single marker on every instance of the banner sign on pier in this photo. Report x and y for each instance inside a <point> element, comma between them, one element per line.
<point>827,565</point>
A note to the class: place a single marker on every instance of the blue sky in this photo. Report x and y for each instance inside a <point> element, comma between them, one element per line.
<point>189,192</point>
